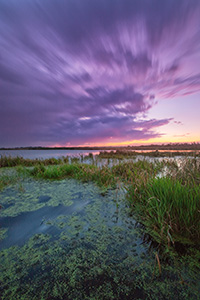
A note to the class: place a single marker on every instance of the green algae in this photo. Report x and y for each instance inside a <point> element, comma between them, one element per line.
<point>3,232</point>
<point>78,271</point>
<point>8,177</point>
<point>97,253</point>
<point>28,199</point>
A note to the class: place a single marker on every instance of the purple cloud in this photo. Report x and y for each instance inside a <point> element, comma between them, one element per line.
<point>89,71</point>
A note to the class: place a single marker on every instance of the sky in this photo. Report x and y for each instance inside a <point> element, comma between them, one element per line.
<point>99,72</point>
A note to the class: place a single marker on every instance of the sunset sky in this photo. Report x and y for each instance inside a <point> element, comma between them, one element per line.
<point>99,72</point>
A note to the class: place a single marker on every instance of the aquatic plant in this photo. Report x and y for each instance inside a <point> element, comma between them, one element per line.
<point>84,172</point>
<point>9,161</point>
<point>122,154</point>
<point>169,208</point>
<point>75,160</point>
<point>104,176</point>
<point>92,256</point>
<point>96,252</point>
<point>8,178</point>
<point>188,171</point>
<point>162,204</point>
<point>131,170</point>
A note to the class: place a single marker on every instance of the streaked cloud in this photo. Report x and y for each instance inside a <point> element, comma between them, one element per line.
<point>89,71</point>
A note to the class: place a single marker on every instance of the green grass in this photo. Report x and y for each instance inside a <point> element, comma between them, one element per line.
<point>189,171</point>
<point>8,161</point>
<point>6,180</point>
<point>75,160</point>
<point>103,177</point>
<point>169,209</point>
<point>131,171</point>
<point>122,154</point>
<point>168,206</point>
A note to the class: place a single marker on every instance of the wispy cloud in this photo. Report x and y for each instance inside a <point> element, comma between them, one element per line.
<point>86,71</point>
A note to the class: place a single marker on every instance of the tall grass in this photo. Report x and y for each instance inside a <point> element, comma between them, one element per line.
<point>6,180</point>
<point>121,154</point>
<point>131,171</point>
<point>8,161</point>
<point>169,208</point>
<point>103,176</point>
<point>188,171</point>
<point>84,172</point>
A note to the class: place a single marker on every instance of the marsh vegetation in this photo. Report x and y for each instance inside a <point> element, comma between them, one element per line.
<point>125,230</point>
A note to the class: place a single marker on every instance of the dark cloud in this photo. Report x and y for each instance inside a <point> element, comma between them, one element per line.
<point>178,122</point>
<point>84,71</point>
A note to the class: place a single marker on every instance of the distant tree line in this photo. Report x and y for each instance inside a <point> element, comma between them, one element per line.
<point>170,146</point>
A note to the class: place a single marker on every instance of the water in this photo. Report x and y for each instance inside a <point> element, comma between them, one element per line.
<point>65,240</point>
<point>43,154</point>
<point>84,157</point>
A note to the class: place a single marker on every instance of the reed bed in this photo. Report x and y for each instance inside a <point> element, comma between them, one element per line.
<point>6,180</point>
<point>188,171</point>
<point>103,177</point>
<point>164,195</point>
<point>9,161</point>
<point>169,209</point>
<point>121,154</point>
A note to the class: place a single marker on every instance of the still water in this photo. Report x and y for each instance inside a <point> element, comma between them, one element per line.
<point>43,154</point>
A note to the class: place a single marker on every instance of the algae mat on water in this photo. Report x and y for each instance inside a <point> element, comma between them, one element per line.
<point>64,240</point>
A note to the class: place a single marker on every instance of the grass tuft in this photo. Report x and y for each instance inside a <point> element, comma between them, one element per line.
<point>169,208</point>
<point>165,195</point>
<point>9,161</point>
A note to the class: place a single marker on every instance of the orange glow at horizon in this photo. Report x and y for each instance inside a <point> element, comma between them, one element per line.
<point>136,142</point>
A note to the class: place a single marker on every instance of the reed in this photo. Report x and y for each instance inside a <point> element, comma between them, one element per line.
<point>103,176</point>
<point>131,170</point>
<point>8,161</point>
<point>188,171</point>
<point>84,172</point>
<point>6,180</point>
<point>169,208</point>
<point>121,154</point>
<point>75,160</point>
<point>168,205</point>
